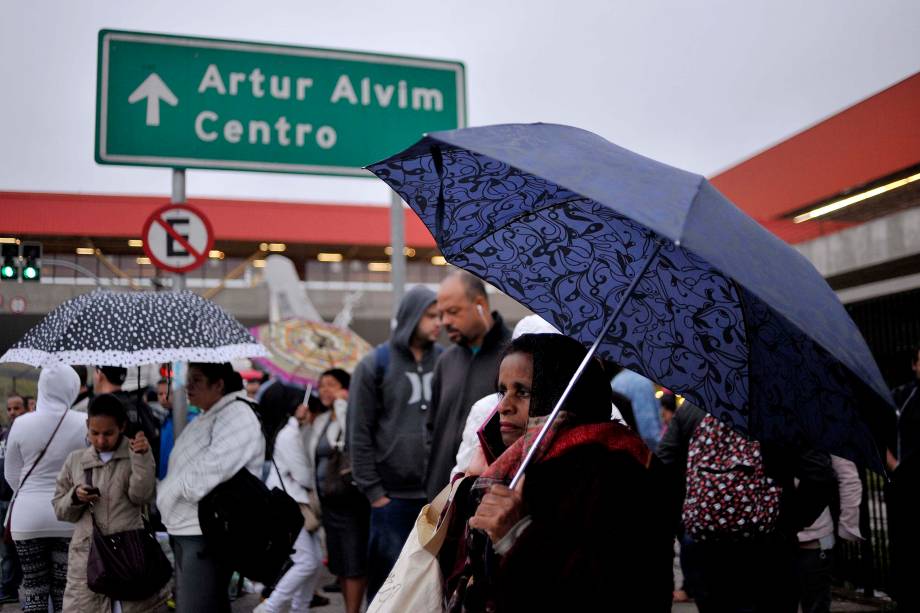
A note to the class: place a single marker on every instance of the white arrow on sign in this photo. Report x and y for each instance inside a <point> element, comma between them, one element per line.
<point>154,90</point>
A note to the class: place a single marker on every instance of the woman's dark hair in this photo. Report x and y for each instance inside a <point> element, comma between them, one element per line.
<point>233,382</point>
<point>339,375</point>
<point>108,405</point>
<point>282,399</point>
<point>555,360</point>
<point>81,372</point>
<point>277,404</point>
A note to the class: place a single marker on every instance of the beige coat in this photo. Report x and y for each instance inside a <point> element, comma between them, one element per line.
<point>126,483</point>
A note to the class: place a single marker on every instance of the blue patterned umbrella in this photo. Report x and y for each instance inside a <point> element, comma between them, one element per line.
<point>667,276</point>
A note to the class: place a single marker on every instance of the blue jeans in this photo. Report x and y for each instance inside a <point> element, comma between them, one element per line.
<point>390,526</point>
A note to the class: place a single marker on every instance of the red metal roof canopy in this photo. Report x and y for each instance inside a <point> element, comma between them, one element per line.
<point>868,141</point>
<point>37,213</point>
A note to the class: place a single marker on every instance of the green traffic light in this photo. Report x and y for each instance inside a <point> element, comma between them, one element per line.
<point>30,273</point>
<point>7,271</point>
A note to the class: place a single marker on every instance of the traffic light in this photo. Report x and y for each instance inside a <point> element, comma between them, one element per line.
<point>9,270</point>
<point>32,266</point>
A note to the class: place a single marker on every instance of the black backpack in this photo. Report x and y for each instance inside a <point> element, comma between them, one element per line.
<point>248,525</point>
<point>141,417</point>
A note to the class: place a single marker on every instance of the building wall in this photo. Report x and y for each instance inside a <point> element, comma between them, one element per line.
<point>249,305</point>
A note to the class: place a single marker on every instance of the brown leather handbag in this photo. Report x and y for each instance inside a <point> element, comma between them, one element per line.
<point>338,481</point>
<point>127,565</point>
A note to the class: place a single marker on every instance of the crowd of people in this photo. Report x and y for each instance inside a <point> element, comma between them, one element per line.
<point>623,472</point>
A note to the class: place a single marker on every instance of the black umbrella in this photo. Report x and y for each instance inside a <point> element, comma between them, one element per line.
<point>134,328</point>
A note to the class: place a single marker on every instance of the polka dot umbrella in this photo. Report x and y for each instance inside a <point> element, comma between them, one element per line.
<point>300,349</point>
<point>133,328</point>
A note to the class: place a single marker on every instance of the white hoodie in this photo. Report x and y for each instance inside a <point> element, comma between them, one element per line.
<point>33,515</point>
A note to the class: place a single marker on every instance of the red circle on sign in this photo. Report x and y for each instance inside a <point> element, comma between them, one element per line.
<point>18,304</point>
<point>156,216</point>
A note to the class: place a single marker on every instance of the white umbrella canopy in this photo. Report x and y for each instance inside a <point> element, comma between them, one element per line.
<point>126,329</point>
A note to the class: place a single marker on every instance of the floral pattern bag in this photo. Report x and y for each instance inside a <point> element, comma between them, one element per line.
<point>729,496</point>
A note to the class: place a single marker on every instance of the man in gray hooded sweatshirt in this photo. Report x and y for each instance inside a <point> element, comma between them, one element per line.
<point>388,404</point>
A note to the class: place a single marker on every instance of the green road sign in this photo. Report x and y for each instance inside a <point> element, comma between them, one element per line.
<point>205,103</point>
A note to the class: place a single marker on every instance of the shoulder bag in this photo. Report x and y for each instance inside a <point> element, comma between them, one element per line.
<point>127,565</point>
<point>248,525</point>
<point>337,480</point>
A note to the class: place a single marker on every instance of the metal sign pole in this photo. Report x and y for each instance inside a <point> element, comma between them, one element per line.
<point>398,255</point>
<point>180,400</point>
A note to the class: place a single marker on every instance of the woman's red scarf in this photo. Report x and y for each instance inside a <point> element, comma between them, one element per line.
<point>561,438</point>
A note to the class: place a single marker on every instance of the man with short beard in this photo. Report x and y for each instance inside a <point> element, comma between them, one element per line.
<point>464,373</point>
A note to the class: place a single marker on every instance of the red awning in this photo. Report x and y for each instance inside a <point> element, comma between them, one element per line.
<point>37,213</point>
<point>866,142</point>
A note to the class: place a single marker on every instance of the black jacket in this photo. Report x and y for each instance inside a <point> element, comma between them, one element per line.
<point>599,532</point>
<point>140,417</point>
<point>905,441</point>
<point>460,379</point>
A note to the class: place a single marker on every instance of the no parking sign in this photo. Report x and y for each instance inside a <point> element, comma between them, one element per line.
<point>177,238</point>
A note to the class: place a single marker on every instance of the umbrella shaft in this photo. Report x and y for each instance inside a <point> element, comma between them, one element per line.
<point>584,364</point>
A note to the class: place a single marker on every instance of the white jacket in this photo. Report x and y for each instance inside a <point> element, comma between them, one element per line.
<point>210,450</point>
<point>33,515</point>
<point>291,461</point>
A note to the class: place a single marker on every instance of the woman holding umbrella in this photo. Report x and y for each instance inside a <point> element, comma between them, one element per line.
<point>224,439</point>
<point>589,516</point>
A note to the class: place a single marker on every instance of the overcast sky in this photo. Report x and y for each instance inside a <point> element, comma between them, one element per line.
<point>699,85</point>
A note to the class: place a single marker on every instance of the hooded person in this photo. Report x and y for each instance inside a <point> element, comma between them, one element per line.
<point>390,396</point>
<point>37,447</point>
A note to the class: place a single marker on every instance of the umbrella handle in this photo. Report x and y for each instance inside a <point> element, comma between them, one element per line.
<point>584,364</point>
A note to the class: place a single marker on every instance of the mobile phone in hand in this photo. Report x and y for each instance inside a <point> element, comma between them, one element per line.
<point>92,491</point>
